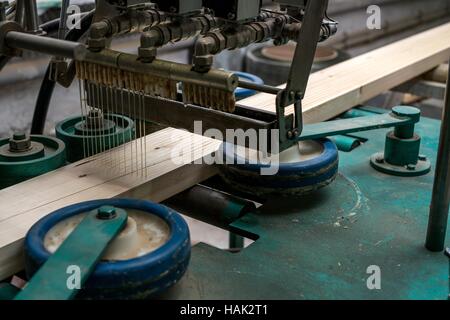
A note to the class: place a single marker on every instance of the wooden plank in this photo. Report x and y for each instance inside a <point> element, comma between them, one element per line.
<point>330,92</point>
<point>336,89</point>
<point>167,174</point>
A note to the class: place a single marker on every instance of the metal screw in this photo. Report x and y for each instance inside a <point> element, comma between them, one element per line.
<point>411,167</point>
<point>231,16</point>
<point>106,212</point>
<point>290,134</point>
<point>422,157</point>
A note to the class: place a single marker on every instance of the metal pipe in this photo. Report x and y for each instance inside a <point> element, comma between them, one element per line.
<point>258,87</point>
<point>31,15</point>
<point>215,78</point>
<point>63,19</point>
<point>130,22</point>
<point>50,46</point>
<point>20,12</point>
<point>440,202</point>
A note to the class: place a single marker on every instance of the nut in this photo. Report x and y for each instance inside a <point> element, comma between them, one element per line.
<point>422,157</point>
<point>96,44</point>
<point>19,142</point>
<point>106,213</point>
<point>203,63</point>
<point>147,54</point>
<point>94,119</point>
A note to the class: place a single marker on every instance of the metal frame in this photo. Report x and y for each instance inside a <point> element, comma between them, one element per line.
<point>440,202</point>
<point>299,74</point>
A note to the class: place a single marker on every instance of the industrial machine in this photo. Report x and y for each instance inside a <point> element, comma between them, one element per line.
<point>122,91</point>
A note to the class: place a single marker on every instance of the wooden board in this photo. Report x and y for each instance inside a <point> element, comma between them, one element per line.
<point>330,92</point>
<point>168,152</point>
<point>336,89</point>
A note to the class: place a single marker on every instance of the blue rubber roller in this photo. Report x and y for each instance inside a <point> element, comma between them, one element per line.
<point>150,254</point>
<point>299,170</point>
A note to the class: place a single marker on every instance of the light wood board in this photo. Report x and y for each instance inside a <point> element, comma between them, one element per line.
<point>336,89</point>
<point>167,173</point>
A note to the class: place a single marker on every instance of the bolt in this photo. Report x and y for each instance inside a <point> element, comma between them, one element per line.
<point>106,212</point>
<point>411,167</point>
<point>231,16</point>
<point>94,119</point>
<point>19,136</point>
<point>19,142</point>
<point>290,134</point>
<point>422,157</point>
<point>292,95</point>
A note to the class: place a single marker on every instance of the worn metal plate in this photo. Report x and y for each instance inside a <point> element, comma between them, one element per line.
<point>320,246</point>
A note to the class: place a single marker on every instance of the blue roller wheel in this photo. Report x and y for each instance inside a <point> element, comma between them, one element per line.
<point>157,267</point>
<point>302,169</point>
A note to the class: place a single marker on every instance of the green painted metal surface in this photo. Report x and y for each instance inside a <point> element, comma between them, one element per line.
<point>81,143</point>
<point>7,291</point>
<point>46,154</point>
<point>82,249</point>
<point>320,246</point>
<point>350,125</point>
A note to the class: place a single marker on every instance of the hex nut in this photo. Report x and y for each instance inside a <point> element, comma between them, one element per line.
<point>19,142</point>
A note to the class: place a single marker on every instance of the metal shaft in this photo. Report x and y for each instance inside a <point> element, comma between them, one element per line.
<point>31,15</point>
<point>437,221</point>
<point>20,12</point>
<point>54,47</point>
<point>63,19</point>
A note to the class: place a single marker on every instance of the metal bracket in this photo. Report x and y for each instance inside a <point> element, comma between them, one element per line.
<point>346,126</point>
<point>83,248</point>
<point>299,74</point>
